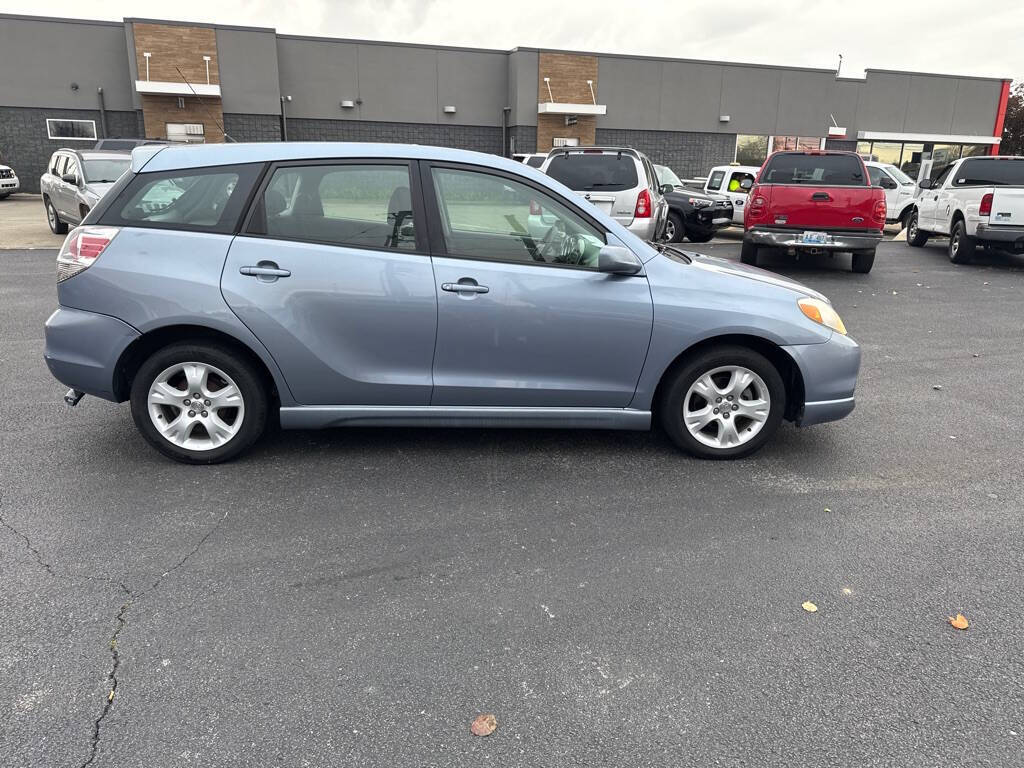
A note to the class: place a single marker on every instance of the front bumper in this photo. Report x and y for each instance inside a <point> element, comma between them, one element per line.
<point>829,373</point>
<point>1001,234</point>
<point>710,219</point>
<point>9,186</point>
<point>82,349</point>
<point>839,240</point>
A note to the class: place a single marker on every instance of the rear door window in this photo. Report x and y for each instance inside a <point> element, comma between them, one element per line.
<point>990,173</point>
<point>594,172</point>
<point>200,199</point>
<point>536,162</point>
<point>814,169</point>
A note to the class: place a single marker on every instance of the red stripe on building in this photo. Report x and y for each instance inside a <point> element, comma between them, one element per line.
<point>1004,97</point>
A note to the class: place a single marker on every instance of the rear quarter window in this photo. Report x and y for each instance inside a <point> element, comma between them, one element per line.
<point>594,172</point>
<point>815,170</point>
<point>990,173</point>
<point>196,199</point>
<point>715,182</point>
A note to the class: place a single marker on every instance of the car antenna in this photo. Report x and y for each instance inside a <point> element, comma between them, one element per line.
<point>203,105</point>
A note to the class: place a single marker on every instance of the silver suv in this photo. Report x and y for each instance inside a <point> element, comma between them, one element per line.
<point>74,182</point>
<point>618,181</point>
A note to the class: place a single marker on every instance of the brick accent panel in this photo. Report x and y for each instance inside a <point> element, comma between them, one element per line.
<point>568,74</point>
<point>688,154</point>
<point>27,149</point>
<point>176,46</point>
<point>253,127</point>
<point>475,137</point>
<point>159,110</point>
<point>523,138</point>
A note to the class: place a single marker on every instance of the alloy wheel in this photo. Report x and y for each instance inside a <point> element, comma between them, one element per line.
<point>726,407</point>
<point>670,230</point>
<point>912,228</point>
<point>196,406</point>
<point>51,216</point>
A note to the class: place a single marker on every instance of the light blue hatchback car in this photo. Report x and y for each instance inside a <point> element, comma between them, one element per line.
<point>218,287</point>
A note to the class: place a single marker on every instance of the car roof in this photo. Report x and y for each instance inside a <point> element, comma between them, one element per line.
<point>744,168</point>
<point>98,154</point>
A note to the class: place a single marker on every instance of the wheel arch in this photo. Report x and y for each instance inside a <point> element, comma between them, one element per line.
<point>145,345</point>
<point>787,367</point>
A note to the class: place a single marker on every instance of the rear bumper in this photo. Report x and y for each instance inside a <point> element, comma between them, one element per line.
<point>829,373</point>
<point>839,240</point>
<point>1001,234</point>
<point>82,349</point>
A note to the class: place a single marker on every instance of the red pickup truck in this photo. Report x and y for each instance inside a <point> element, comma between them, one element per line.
<point>814,202</point>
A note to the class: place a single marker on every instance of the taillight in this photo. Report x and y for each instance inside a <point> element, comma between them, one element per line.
<point>535,209</point>
<point>643,205</point>
<point>879,212</point>
<point>985,209</point>
<point>81,248</point>
<point>758,203</point>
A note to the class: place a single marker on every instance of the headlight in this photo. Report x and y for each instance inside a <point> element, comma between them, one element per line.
<point>821,312</point>
<point>699,202</point>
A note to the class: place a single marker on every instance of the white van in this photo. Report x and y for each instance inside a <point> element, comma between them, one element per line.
<point>727,180</point>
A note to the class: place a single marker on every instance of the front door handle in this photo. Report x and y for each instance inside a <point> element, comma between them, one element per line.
<point>266,270</point>
<point>467,287</point>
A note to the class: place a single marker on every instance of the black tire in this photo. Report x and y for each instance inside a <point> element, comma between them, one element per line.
<point>863,261</point>
<point>57,226</point>
<point>5,195</point>
<point>675,229</point>
<point>915,237</point>
<point>961,245</point>
<point>700,236</point>
<point>682,378</point>
<point>905,218</point>
<point>748,254</point>
<point>236,366</point>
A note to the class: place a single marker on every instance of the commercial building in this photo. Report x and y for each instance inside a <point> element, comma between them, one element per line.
<point>69,82</point>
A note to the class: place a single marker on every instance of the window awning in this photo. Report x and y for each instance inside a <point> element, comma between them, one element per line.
<point>176,89</point>
<point>927,138</point>
<point>561,108</point>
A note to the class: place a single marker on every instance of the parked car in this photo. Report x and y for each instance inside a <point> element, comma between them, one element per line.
<point>974,201</point>
<point>268,289</point>
<point>122,145</point>
<point>9,183</point>
<point>74,182</point>
<point>618,181</point>
<point>814,201</point>
<point>730,180</point>
<point>899,190</point>
<point>692,213</point>
<point>534,160</point>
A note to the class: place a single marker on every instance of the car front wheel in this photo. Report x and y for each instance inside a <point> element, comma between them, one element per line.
<point>199,403</point>
<point>725,403</point>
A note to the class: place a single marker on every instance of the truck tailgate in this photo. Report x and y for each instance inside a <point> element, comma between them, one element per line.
<point>1007,206</point>
<point>817,207</point>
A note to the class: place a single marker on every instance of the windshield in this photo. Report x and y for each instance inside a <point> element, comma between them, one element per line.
<point>667,176</point>
<point>995,172</point>
<point>106,170</point>
<point>899,175</point>
<point>590,172</point>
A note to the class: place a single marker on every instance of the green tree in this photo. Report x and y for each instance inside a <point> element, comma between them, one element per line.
<point>1013,125</point>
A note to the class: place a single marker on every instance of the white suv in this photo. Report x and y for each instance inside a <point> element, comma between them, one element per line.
<point>9,183</point>
<point>974,201</point>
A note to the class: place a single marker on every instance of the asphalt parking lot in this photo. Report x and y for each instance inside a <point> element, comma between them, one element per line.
<point>357,597</point>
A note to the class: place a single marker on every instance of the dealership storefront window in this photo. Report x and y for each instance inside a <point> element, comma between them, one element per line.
<point>753,149</point>
<point>908,156</point>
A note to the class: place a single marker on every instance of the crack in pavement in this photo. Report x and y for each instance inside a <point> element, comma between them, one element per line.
<point>121,618</point>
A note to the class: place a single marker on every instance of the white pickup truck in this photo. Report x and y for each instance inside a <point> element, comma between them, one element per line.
<point>974,201</point>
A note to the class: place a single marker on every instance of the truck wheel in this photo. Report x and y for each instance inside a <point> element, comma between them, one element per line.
<point>961,245</point>
<point>57,226</point>
<point>905,218</point>
<point>863,261</point>
<point>700,237</point>
<point>915,236</point>
<point>674,228</point>
<point>748,254</point>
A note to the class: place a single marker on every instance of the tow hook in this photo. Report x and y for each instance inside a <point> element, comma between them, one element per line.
<point>72,396</point>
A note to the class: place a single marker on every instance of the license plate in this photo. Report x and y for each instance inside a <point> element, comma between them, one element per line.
<point>814,238</point>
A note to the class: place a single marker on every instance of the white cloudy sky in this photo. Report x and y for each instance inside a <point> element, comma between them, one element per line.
<point>955,36</point>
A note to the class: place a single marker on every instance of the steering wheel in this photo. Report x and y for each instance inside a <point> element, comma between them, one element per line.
<point>549,250</point>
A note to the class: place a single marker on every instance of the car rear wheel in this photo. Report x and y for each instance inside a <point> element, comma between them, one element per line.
<point>674,228</point>
<point>199,403</point>
<point>961,245</point>
<point>863,261</point>
<point>915,236</point>
<point>748,254</point>
<point>725,403</point>
<point>57,226</point>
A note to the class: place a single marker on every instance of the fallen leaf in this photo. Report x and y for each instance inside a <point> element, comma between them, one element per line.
<point>959,622</point>
<point>937,387</point>
<point>827,509</point>
<point>111,696</point>
<point>847,591</point>
<point>810,607</point>
<point>484,725</point>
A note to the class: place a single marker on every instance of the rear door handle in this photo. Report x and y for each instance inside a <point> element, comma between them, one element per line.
<point>464,288</point>
<point>820,196</point>
<point>263,270</point>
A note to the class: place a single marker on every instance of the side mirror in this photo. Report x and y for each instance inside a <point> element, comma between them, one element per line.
<point>746,184</point>
<point>925,183</point>
<point>666,188</point>
<point>617,260</point>
<point>888,183</point>
<point>70,178</point>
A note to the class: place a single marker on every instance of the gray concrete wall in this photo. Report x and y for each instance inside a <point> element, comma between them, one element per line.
<point>522,90</point>
<point>249,77</point>
<point>40,59</point>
